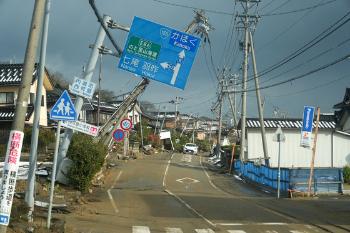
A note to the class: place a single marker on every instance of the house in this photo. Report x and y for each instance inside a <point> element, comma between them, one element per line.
<point>89,112</point>
<point>10,80</point>
<point>332,150</point>
<point>343,113</point>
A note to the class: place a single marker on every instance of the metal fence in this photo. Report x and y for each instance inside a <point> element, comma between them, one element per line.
<point>325,180</point>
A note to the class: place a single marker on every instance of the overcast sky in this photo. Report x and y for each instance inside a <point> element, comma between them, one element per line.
<point>73,26</point>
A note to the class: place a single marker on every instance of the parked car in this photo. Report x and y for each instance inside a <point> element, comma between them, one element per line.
<point>190,148</point>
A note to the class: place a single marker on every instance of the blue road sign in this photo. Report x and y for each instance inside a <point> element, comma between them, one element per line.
<point>306,131</point>
<point>159,52</point>
<point>63,110</point>
<point>308,118</point>
<point>118,135</point>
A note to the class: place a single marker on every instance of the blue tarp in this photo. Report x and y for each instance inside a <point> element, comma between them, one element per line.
<point>325,180</point>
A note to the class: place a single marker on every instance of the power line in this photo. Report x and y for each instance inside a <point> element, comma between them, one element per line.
<point>298,10</point>
<point>299,76</point>
<point>280,6</point>
<point>313,87</point>
<point>191,7</point>
<point>286,29</point>
<point>100,20</point>
<point>306,47</point>
<point>308,61</point>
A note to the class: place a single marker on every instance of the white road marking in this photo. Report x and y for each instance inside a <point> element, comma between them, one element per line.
<point>204,230</point>
<point>187,180</point>
<point>173,230</point>
<point>209,180</point>
<point>236,231</point>
<point>166,170</point>
<point>140,229</point>
<point>297,231</point>
<point>271,231</point>
<point>190,208</point>
<point>273,223</point>
<point>114,204</point>
<point>230,224</point>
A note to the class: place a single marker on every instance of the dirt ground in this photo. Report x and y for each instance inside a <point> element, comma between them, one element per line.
<point>75,202</point>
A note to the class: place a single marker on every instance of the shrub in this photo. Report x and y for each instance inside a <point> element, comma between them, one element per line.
<point>346,174</point>
<point>88,158</point>
<point>46,136</point>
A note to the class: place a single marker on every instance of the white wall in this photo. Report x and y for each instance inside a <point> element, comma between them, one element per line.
<point>293,155</point>
<point>341,149</point>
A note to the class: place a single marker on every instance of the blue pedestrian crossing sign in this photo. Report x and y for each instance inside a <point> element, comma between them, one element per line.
<point>63,110</point>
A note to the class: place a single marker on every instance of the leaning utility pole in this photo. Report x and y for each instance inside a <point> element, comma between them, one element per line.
<point>29,197</point>
<point>16,134</point>
<point>79,100</point>
<point>246,20</point>
<point>258,98</point>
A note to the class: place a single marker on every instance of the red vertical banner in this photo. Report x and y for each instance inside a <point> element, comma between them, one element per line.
<point>9,175</point>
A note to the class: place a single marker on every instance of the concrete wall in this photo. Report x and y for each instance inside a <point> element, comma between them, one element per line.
<point>293,155</point>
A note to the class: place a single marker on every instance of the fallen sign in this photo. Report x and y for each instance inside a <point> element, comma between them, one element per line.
<point>82,127</point>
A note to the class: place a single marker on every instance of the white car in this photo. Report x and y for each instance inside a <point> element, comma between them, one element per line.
<point>190,148</point>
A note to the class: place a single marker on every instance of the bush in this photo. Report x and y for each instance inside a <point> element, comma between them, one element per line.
<point>88,158</point>
<point>46,136</point>
<point>346,174</point>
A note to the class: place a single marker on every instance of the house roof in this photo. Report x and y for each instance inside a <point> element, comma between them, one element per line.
<point>11,75</point>
<point>288,123</point>
<point>345,102</point>
<point>7,113</point>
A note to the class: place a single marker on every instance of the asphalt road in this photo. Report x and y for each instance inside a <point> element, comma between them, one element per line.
<point>177,193</point>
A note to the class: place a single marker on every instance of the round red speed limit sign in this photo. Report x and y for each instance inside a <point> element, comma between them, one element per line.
<point>126,124</point>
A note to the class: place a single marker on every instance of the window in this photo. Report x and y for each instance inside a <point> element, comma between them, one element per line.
<point>32,99</point>
<point>6,97</point>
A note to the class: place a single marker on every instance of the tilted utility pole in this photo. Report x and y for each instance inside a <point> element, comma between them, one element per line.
<point>29,197</point>
<point>16,134</point>
<point>246,20</point>
<point>79,100</point>
<point>176,102</point>
<point>258,98</point>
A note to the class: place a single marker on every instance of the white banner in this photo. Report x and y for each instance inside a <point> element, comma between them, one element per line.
<point>81,127</point>
<point>164,135</point>
<point>82,88</point>
<point>8,182</point>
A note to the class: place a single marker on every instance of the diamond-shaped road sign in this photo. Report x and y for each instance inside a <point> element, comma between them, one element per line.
<point>63,110</point>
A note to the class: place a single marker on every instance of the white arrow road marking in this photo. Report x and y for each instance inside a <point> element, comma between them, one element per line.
<point>140,229</point>
<point>173,230</point>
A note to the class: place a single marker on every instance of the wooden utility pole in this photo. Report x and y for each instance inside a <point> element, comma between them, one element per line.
<point>313,153</point>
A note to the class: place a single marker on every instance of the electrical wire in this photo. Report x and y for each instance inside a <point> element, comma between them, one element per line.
<point>312,88</point>
<point>286,29</point>
<point>299,10</point>
<point>100,20</point>
<point>307,46</point>
<point>299,76</point>
<point>308,61</point>
<point>193,8</point>
<point>279,7</point>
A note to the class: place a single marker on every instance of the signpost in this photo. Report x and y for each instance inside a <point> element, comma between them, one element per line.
<point>82,127</point>
<point>279,137</point>
<point>82,88</point>
<point>63,110</point>
<point>306,131</point>
<point>159,52</point>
